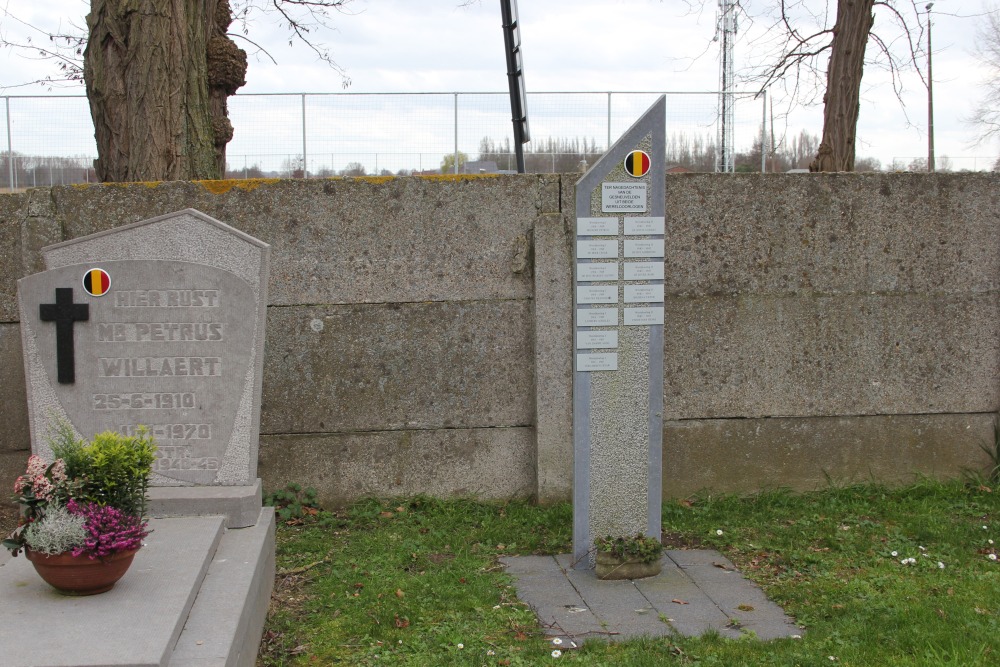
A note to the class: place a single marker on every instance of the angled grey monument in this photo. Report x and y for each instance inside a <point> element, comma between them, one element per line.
<point>161,324</point>
<point>618,347</point>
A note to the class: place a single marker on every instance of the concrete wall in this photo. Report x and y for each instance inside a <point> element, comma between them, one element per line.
<point>420,330</point>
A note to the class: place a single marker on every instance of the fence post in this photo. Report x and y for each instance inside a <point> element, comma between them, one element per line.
<point>608,145</point>
<point>305,168</point>
<point>10,150</point>
<point>456,133</point>
<point>763,133</point>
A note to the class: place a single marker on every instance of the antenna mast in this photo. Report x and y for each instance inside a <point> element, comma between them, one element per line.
<point>725,33</point>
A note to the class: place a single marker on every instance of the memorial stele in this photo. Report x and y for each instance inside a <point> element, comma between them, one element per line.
<point>158,323</point>
<point>618,339</point>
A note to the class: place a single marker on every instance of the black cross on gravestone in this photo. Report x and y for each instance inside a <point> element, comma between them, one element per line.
<point>64,313</point>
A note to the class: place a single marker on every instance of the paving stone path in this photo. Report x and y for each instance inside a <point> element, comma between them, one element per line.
<point>697,591</point>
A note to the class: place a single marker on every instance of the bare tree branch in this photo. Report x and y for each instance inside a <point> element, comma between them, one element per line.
<point>986,116</point>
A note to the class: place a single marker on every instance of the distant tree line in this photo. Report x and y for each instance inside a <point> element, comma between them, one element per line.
<point>35,171</point>
<point>684,150</point>
<point>551,155</point>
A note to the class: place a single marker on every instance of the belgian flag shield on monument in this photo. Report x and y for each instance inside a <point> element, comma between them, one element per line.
<point>96,282</point>
<point>637,164</point>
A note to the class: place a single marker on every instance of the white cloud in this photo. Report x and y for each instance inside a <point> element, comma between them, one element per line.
<point>569,45</point>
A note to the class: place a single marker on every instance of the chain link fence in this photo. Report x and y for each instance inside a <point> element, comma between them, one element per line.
<point>50,139</point>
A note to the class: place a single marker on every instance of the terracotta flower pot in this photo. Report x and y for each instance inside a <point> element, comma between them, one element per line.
<point>80,575</point>
<point>612,567</point>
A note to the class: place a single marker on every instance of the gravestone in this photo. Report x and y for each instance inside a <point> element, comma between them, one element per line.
<point>159,323</point>
<point>618,347</point>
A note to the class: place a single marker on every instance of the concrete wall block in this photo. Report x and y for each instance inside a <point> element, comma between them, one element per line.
<point>14,434</point>
<point>852,355</point>
<point>492,463</point>
<point>364,240</point>
<point>553,322</point>
<point>12,212</point>
<point>12,465</point>
<point>398,366</point>
<point>832,233</point>
<point>568,198</point>
<point>740,455</point>
<point>550,193</point>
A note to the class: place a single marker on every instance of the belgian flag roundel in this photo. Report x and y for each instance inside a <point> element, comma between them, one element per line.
<point>96,282</point>
<point>637,163</point>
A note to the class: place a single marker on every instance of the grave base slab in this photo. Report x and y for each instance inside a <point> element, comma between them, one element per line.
<point>240,505</point>
<point>196,595</point>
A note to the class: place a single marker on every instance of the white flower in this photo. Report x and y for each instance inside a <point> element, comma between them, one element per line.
<point>796,636</point>
<point>718,532</point>
<point>990,541</point>
<point>557,641</point>
<point>557,653</point>
<point>491,652</point>
<point>895,553</point>
<point>832,658</point>
<point>922,549</point>
<point>940,565</point>
<point>461,646</point>
<point>992,556</point>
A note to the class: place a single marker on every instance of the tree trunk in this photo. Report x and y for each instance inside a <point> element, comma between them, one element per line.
<point>841,103</point>
<point>158,73</point>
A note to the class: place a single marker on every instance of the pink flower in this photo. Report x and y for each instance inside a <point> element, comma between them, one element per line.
<point>59,471</point>
<point>109,530</point>
<point>42,487</point>
<point>36,466</point>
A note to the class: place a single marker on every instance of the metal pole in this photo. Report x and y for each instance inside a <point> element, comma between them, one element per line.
<point>515,77</point>
<point>305,169</point>
<point>456,133</point>
<point>930,95</point>
<point>10,150</point>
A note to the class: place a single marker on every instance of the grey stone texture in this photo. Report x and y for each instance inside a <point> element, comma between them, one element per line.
<point>12,209</point>
<point>815,324</point>
<point>696,592</point>
<point>374,367</point>
<point>804,454</point>
<point>486,463</point>
<point>765,355</point>
<point>553,324</point>
<point>14,416</point>
<point>195,595</point>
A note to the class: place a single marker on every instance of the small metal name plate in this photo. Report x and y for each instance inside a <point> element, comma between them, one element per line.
<point>594,272</point>
<point>643,270</point>
<point>643,226</point>
<point>602,361</point>
<point>597,317</point>
<point>597,226</point>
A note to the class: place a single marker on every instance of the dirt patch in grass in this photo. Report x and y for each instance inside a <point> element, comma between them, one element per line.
<point>673,540</point>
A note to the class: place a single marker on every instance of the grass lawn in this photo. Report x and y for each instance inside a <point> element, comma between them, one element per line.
<point>874,575</point>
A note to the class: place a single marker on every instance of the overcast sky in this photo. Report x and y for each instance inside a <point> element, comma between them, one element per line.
<point>571,45</point>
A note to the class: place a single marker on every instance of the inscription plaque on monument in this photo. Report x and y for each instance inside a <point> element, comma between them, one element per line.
<point>173,340</point>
